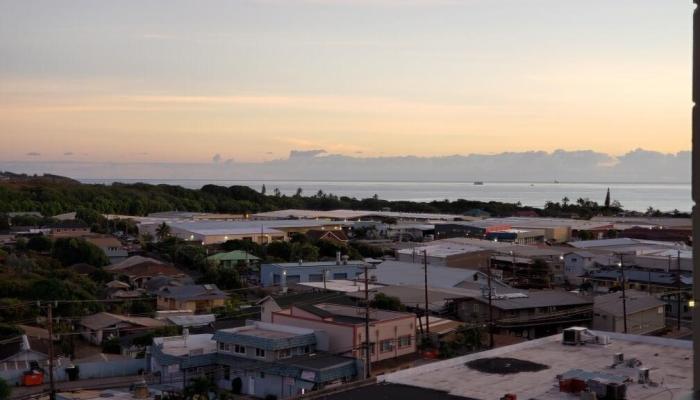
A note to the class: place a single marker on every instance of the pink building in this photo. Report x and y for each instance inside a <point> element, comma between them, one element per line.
<point>392,334</point>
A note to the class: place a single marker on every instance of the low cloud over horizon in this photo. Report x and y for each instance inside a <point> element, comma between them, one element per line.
<point>560,165</point>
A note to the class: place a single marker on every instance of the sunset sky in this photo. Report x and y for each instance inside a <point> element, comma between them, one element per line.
<point>181,81</point>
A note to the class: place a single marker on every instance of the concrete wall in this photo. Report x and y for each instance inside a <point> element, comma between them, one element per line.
<point>349,338</point>
<point>339,336</point>
<point>268,272</point>
<point>90,370</point>
<point>639,323</point>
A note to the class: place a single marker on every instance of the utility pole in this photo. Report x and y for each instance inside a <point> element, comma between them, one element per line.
<point>491,344</point>
<point>678,291</point>
<point>425,270</point>
<point>624,297</point>
<point>368,360</point>
<point>52,384</point>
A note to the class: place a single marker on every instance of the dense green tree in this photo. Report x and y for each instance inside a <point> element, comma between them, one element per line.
<point>69,251</point>
<point>5,390</point>
<point>40,243</point>
<point>199,388</point>
<point>279,250</point>
<point>384,302</point>
<point>304,251</point>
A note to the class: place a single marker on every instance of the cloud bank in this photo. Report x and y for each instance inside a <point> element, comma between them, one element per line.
<point>534,166</point>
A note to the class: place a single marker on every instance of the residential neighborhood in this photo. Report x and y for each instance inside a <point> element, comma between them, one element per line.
<point>267,306</point>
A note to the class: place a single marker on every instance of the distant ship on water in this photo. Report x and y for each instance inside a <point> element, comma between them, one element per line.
<point>478,183</point>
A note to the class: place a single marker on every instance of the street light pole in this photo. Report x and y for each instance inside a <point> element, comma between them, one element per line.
<point>696,194</point>
<point>490,307</point>
<point>368,360</point>
<point>678,291</point>
<point>624,297</point>
<point>425,270</point>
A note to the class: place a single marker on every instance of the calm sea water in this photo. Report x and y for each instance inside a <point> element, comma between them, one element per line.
<point>633,196</point>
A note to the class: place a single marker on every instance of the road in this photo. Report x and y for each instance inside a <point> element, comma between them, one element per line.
<point>21,392</point>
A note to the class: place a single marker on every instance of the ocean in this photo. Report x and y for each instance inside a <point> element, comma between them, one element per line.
<point>632,196</point>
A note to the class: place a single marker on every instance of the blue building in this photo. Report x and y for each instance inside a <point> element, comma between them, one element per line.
<point>283,274</point>
<point>259,359</point>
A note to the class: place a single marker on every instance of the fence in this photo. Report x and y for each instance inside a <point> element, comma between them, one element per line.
<point>12,371</point>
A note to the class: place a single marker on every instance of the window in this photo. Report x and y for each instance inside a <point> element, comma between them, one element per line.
<point>476,308</point>
<point>224,346</point>
<point>340,276</point>
<point>315,277</point>
<point>386,346</point>
<point>238,349</point>
<point>404,341</point>
<point>260,353</point>
<point>284,353</point>
<point>293,279</point>
<point>307,349</point>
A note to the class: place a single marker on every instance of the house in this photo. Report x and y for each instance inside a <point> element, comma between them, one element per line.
<point>392,334</point>
<point>233,259</point>
<point>247,265</point>
<point>335,236</point>
<point>155,284</point>
<point>270,304</point>
<point>97,328</point>
<point>111,246</point>
<point>128,262</point>
<point>139,274</point>
<point>603,279</point>
<point>446,254</point>
<point>198,298</point>
<point>531,314</point>
<point>577,263</point>
<point>283,274</point>
<point>408,273</point>
<point>645,313</point>
<point>258,360</point>
<point>22,349</point>
<point>69,228</point>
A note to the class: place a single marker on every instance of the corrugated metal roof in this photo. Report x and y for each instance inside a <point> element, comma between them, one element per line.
<point>233,337</point>
<point>636,301</point>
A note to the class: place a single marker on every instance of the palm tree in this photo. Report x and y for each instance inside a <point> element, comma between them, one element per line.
<point>162,231</point>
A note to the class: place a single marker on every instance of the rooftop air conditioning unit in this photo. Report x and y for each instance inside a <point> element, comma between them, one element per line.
<point>573,336</point>
<point>602,339</point>
<point>643,376</point>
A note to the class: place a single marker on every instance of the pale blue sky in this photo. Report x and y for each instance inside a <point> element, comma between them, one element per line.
<point>250,80</point>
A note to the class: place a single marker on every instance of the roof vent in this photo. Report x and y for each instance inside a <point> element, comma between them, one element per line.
<point>618,358</point>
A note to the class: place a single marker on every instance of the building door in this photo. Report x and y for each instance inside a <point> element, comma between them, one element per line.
<point>236,385</point>
<point>251,386</point>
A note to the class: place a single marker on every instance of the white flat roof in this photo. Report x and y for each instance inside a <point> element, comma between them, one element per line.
<point>353,214</point>
<point>183,345</point>
<point>442,250</point>
<point>670,362</point>
<point>340,285</point>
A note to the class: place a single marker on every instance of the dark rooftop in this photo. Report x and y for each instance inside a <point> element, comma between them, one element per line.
<point>390,391</point>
